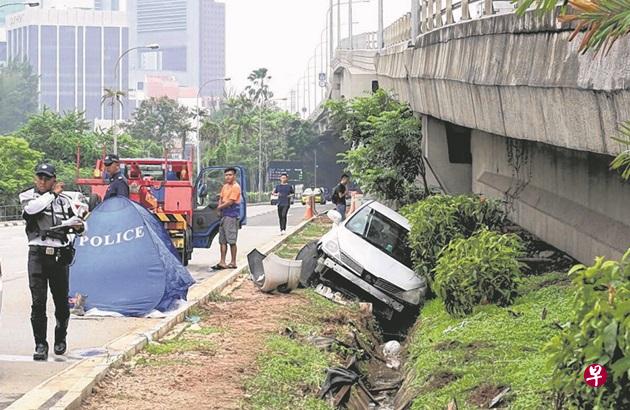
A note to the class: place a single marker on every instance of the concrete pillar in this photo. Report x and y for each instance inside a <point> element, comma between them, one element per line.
<point>449,12</point>
<point>465,10</point>
<point>414,20</point>
<point>438,13</point>
<point>488,8</point>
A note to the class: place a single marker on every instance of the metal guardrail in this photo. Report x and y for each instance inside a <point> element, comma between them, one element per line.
<point>10,213</point>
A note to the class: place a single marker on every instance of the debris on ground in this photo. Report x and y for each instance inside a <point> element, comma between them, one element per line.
<point>391,351</point>
<point>329,294</point>
<point>270,272</point>
<point>343,386</point>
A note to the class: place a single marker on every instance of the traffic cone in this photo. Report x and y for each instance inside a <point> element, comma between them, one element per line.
<point>309,209</point>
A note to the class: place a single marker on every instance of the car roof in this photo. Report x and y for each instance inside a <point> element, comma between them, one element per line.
<point>390,213</point>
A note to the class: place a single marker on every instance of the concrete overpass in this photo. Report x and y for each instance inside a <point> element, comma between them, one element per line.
<point>511,110</point>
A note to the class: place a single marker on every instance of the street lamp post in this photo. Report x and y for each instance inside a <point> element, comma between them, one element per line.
<point>116,86</point>
<point>260,119</point>
<point>23,3</point>
<point>198,150</point>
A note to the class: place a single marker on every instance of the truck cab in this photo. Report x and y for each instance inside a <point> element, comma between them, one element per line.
<point>206,219</point>
<point>187,206</point>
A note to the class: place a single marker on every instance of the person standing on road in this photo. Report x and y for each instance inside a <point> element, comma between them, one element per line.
<point>230,210</point>
<point>339,195</point>
<point>49,256</point>
<point>118,185</point>
<point>285,192</point>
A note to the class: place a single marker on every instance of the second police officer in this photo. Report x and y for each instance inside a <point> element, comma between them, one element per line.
<point>118,185</point>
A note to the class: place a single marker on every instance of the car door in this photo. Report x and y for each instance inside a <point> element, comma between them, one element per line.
<point>206,196</point>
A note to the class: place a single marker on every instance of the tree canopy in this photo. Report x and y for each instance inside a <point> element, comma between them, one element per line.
<point>17,164</point>
<point>18,95</point>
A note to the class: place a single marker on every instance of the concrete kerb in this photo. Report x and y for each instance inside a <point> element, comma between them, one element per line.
<point>78,380</point>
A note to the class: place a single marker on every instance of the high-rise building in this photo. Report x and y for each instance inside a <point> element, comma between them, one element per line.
<point>191,35</point>
<point>74,53</point>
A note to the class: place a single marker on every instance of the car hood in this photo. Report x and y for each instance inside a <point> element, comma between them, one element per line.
<point>358,255</point>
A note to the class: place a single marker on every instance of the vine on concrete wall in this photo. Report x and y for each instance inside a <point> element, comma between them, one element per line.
<point>519,158</point>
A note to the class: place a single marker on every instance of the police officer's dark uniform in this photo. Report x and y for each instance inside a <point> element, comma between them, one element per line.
<point>118,185</point>
<point>50,254</point>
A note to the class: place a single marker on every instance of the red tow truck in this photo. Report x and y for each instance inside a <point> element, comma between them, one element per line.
<point>166,187</point>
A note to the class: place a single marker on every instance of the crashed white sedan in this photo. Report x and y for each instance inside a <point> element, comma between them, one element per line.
<point>368,257</point>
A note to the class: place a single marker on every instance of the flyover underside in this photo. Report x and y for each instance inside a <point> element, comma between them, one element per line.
<point>517,77</point>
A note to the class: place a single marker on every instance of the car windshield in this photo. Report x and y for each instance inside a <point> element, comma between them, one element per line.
<point>382,233</point>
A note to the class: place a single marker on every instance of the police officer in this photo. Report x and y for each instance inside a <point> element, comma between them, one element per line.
<point>50,254</point>
<point>118,185</point>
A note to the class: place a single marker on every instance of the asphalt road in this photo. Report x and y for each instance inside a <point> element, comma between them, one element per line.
<point>18,372</point>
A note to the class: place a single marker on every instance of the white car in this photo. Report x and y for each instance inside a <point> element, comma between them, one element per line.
<point>368,256</point>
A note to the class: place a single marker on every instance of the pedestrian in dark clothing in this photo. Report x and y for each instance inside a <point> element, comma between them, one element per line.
<point>45,208</point>
<point>285,192</point>
<point>339,195</point>
<point>118,185</point>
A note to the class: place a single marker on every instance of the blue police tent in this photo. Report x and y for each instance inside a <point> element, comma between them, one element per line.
<point>126,262</point>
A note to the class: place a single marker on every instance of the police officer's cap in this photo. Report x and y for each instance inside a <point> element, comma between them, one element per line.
<point>110,159</point>
<point>46,169</point>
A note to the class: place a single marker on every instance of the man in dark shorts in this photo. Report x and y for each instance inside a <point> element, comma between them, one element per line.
<point>339,195</point>
<point>230,208</point>
<point>284,191</point>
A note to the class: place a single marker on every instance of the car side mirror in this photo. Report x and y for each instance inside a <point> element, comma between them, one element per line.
<point>334,216</point>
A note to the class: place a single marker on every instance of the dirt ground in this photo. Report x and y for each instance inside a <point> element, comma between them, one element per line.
<point>209,377</point>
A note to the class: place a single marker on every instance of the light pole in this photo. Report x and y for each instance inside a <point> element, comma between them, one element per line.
<point>149,47</point>
<point>198,150</point>
<point>26,3</point>
<point>260,173</point>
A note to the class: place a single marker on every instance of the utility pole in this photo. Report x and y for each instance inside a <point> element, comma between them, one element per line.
<point>315,168</point>
<point>350,24</point>
<point>338,23</point>
<point>414,20</point>
<point>330,31</point>
<point>380,25</point>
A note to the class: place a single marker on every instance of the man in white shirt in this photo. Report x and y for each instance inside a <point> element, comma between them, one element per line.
<point>45,208</point>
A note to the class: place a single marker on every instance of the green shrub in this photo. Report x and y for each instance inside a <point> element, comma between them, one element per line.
<point>438,219</point>
<point>599,333</point>
<point>478,270</point>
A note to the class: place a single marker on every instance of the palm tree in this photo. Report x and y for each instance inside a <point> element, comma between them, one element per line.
<point>113,97</point>
<point>258,91</point>
<point>622,162</point>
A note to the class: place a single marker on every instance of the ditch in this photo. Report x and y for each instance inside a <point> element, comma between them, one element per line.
<point>247,349</point>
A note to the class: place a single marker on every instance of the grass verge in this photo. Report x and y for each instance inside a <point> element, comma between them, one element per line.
<point>472,359</point>
<point>291,370</point>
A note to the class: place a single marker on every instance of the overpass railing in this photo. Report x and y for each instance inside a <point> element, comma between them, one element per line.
<point>363,41</point>
<point>433,14</point>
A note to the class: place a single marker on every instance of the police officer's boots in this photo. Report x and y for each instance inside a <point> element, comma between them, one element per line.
<point>41,352</point>
<point>60,337</point>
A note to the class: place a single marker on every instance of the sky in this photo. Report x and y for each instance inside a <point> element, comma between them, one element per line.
<point>282,35</point>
